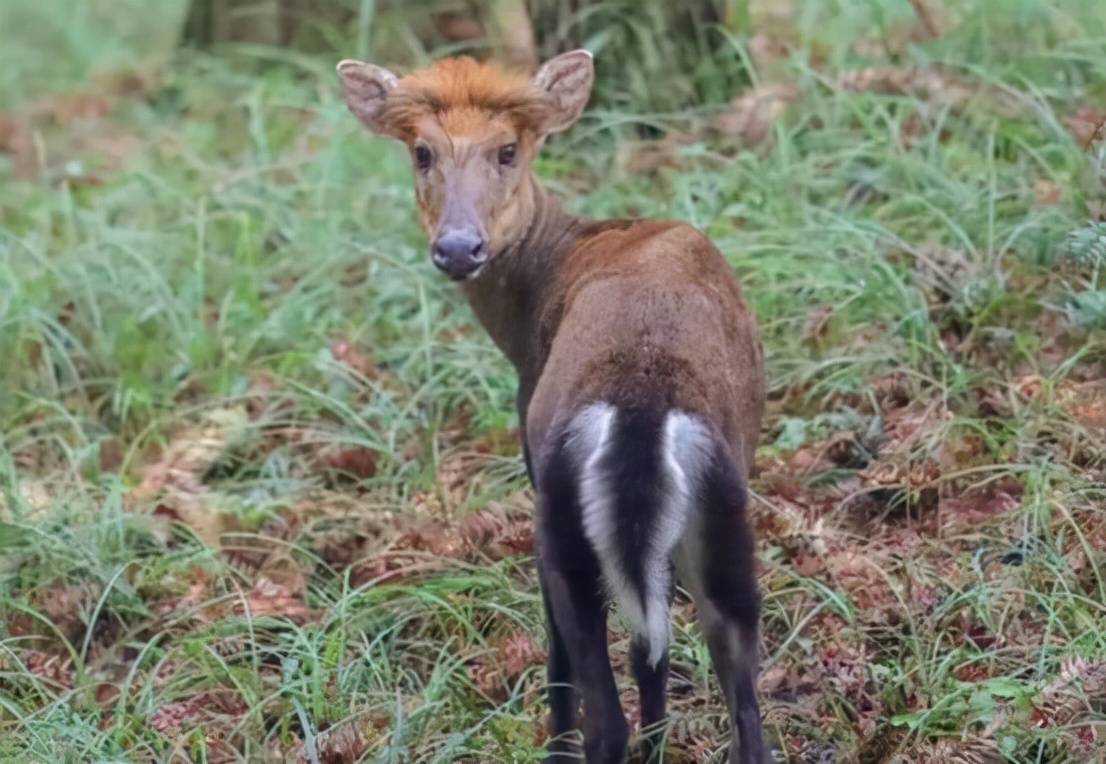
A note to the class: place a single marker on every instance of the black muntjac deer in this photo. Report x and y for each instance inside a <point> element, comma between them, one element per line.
<point>641,389</point>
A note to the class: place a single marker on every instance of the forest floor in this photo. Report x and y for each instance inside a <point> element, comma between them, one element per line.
<point>260,492</point>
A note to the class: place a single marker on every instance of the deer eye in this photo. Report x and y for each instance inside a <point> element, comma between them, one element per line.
<point>507,153</point>
<point>423,157</point>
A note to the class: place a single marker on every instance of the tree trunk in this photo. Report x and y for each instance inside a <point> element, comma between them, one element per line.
<point>513,33</point>
<point>214,21</point>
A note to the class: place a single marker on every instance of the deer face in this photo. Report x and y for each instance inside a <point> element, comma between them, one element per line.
<point>472,187</point>
<point>472,131</point>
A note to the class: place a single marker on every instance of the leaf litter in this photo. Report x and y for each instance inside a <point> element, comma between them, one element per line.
<point>825,517</point>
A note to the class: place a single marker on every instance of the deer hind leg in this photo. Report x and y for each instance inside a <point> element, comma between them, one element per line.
<point>576,610</point>
<point>716,563</point>
<point>733,648</point>
<point>579,617</point>
<point>564,702</point>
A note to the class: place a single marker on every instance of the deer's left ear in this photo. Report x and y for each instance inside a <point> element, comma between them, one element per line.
<point>566,80</point>
<point>365,88</point>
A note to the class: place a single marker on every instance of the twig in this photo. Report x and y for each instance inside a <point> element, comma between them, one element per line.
<point>928,17</point>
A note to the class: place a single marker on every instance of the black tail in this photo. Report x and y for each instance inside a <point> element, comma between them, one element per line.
<point>638,474</point>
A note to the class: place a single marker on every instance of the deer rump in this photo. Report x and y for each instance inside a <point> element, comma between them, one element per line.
<point>638,475</point>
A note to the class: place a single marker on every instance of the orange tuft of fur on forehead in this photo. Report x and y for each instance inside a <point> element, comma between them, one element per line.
<point>464,94</point>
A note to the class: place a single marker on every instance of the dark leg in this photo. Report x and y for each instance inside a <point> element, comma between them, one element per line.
<point>573,591</point>
<point>526,460</point>
<point>563,700</point>
<point>717,564</point>
<point>651,682</point>
<point>733,651</point>
<point>522,403</point>
<point>580,615</point>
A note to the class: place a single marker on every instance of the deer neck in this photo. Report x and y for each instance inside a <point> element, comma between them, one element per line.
<point>511,296</point>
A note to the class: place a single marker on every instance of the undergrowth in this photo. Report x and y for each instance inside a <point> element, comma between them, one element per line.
<point>260,494</point>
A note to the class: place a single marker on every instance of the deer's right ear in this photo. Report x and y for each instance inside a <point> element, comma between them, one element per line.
<point>365,88</point>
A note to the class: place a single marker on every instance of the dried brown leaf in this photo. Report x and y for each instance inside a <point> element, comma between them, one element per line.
<point>55,669</point>
<point>519,653</point>
<point>499,532</point>
<point>358,462</point>
<point>176,479</point>
<point>65,605</point>
<point>637,157</point>
<point>216,711</point>
<point>191,453</point>
<point>931,85</point>
<point>1085,402</point>
<point>752,115</point>
<point>272,599</point>
<point>346,353</point>
<point>1047,192</point>
<point>1087,124</point>
<point>343,744</point>
<point>930,15</point>
<point>511,656</point>
<point>952,751</point>
<point>975,506</point>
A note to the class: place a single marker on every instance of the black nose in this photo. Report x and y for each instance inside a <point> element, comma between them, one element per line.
<point>459,252</point>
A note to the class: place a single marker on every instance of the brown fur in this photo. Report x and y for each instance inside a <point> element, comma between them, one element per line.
<point>464,95</point>
<point>644,316</point>
<point>633,313</point>
<point>653,312</point>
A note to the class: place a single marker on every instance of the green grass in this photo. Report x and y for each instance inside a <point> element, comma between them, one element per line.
<point>228,535</point>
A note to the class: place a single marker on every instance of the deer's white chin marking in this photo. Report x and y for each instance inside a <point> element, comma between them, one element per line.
<point>476,273</point>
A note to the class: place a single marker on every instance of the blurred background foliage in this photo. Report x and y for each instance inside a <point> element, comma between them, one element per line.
<point>659,56</point>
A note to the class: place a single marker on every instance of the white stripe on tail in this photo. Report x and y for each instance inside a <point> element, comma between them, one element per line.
<point>589,440</point>
<point>684,453</point>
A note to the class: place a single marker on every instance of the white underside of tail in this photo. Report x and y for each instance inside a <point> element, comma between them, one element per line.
<point>685,449</point>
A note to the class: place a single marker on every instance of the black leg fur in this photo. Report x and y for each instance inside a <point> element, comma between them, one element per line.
<point>577,613</point>
<point>719,568</point>
<point>564,703</point>
<point>652,686</point>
